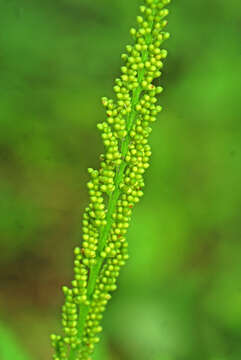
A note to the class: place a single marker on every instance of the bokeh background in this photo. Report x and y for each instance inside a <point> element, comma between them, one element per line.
<point>179,297</point>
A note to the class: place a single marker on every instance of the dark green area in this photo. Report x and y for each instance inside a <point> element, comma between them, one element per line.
<point>180,294</point>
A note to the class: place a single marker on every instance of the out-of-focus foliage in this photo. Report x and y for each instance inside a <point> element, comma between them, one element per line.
<point>9,349</point>
<point>180,295</point>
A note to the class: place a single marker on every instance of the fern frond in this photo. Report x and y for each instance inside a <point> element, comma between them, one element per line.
<point>116,187</point>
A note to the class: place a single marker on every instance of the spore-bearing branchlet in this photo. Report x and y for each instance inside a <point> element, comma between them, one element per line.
<point>116,187</point>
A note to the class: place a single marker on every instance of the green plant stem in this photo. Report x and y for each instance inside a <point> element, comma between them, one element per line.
<point>105,231</point>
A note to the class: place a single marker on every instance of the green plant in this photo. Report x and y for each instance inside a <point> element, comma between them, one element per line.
<point>116,187</point>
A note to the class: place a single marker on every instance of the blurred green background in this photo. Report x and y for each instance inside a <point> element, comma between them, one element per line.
<point>179,297</point>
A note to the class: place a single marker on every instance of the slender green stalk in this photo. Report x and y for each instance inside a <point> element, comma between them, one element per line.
<point>105,222</point>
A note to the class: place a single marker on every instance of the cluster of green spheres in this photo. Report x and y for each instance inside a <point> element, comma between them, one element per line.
<point>116,187</point>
